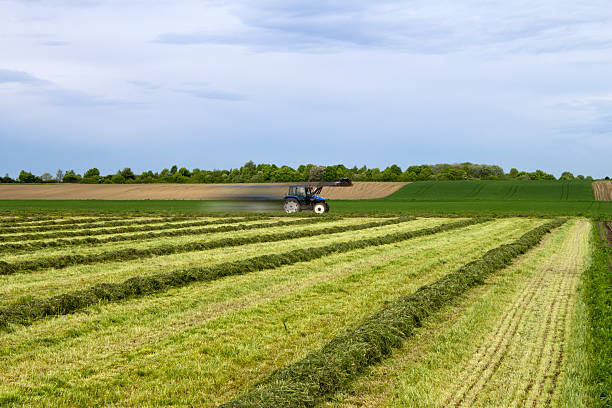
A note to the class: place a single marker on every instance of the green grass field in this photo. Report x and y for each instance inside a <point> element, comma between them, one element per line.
<point>341,311</point>
<point>510,190</point>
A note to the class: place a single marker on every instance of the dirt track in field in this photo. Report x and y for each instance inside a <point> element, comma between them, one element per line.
<point>526,350</point>
<point>360,190</point>
<point>602,190</point>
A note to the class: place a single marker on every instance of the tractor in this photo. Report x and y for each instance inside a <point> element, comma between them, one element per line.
<point>306,196</point>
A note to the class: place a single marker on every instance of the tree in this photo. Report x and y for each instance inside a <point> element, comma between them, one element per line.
<point>566,175</point>
<point>248,170</point>
<point>6,179</point>
<point>59,176</point>
<point>26,177</point>
<point>184,172</point>
<point>127,174</point>
<point>71,177</point>
<point>173,169</point>
<point>316,173</point>
<point>46,177</point>
<point>392,173</point>
<point>93,172</point>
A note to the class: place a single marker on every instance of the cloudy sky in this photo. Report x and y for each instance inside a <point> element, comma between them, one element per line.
<point>211,84</point>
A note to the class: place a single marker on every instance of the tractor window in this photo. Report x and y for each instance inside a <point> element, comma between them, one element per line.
<point>300,191</point>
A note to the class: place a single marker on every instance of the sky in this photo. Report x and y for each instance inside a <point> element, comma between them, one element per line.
<point>147,84</point>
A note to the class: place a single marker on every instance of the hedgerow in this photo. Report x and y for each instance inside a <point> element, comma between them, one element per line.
<point>171,233</point>
<point>125,254</point>
<point>92,223</point>
<point>598,300</point>
<point>126,229</point>
<point>27,311</point>
<point>324,372</point>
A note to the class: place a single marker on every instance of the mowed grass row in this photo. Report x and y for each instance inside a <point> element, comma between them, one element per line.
<point>86,248</point>
<point>55,281</point>
<point>431,368</point>
<point>52,220</point>
<point>79,223</point>
<point>167,231</point>
<point>206,343</point>
<point>135,224</point>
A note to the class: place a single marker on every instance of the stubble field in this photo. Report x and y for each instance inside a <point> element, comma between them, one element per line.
<point>266,310</point>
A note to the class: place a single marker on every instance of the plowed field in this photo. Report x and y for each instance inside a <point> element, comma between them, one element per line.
<point>602,190</point>
<point>360,190</point>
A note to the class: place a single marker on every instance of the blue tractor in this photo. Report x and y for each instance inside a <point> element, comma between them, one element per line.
<point>306,196</point>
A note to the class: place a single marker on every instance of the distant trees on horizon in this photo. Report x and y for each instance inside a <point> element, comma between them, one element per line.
<point>270,173</point>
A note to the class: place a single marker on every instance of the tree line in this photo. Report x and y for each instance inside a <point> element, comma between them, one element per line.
<point>270,173</point>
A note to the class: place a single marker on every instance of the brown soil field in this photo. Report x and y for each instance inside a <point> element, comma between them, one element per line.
<point>359,190</point>
<point>602,190</point>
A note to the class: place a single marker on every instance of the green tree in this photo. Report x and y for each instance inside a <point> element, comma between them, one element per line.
<point>26,177</point>
<point>93,172</point>
<point>566,175</point>
<point>127,174</point>
<point>184,172</point>
<point>391,173</point>
<point>71,177</point>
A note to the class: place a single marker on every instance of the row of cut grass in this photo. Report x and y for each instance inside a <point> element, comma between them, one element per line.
<point>101,222</point>
<point>102,229</point>
<point>55,281</point>
<point>138,286</point>
<point>202,344</point>
<point>137,253</point>
<point>167,231</point>
<point>333,367</point>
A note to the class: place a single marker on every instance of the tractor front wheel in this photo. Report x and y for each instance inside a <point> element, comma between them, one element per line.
<point>291,206</point>
<point>319,208</point>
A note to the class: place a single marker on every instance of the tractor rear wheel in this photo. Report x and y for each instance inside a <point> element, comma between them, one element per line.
<point>319,208</point>
<point>291,206</point>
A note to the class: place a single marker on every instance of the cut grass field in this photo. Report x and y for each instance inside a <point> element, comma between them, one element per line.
<point>506,344</point>
<point>243,315</point>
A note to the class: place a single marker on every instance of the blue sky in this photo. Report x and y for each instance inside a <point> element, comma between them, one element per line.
<point>211,84</point>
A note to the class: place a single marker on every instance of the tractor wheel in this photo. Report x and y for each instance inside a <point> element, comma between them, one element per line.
<point>292,206</point>
<point>326,207</point>
<point>319,208</point>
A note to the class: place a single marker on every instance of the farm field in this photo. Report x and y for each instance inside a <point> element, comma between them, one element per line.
<point>268,310</point>
<point>468,198</point>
